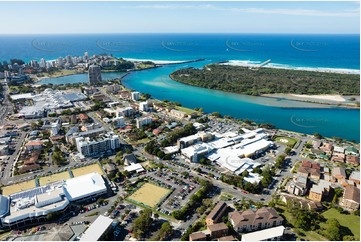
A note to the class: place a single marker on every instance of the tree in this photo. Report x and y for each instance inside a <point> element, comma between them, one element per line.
<point>288,150</point>
<point>142,224</point>
<point>333,230</point>
<point>317,135</point>
<point>166,231</point>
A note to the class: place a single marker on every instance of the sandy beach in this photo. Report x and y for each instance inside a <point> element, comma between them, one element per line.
<point>248,63</point>
<point>339,100</point>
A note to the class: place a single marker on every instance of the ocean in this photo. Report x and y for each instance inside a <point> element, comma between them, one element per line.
<point>337,52</point>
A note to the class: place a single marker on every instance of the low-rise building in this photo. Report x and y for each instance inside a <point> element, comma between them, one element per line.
<point>353,159</point>
<point>98,230</point>
<point>215,216</point>
<point>198,236</point>
<point>350,150</point>
<point>351,198</point>
<point>298,186</point>
<point>355,177</point>
<point>320,190</point>
<point>339,173</point>
<point>275,233</point>
<point>34,145</point>
<point>250,220</point>
<point>217,230</point>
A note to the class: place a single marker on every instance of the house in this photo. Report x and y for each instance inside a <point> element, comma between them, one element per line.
<point>352,159</point>
<point>355,177</point>
<point>250,220</point>
<point>34,145</point>
<point>306,163</point>
<point>351,151</point>
<point>217,230</point>
<point>110,169</point>
<point>84,117</point>
<point>326,147</point>
<point>338,149</point>
<point>129,159</point>
<point>302,171</point>
<point>320,190</point>
<point>315,174</point>
<point>215,216</point>
<point>198,236</point>
<point>339,173</point>
<point>351,198</point>
<point>316,144</point>
<point>338,158</point>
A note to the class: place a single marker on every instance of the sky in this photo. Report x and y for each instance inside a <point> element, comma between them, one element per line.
<point>179,17</point>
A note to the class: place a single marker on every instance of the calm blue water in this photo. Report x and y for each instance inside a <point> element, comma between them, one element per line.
<point>325,51</point>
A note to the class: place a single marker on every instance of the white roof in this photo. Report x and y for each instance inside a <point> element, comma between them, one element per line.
<point>84,186</point>
<point>22,96</point>
<point>264,234</point>
<point>355,175</point>
<point>339,149</point>
<point>96,230</point>
<point>134,167</point>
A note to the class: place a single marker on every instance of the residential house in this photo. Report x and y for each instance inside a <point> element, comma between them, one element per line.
<point>129,159</point>
<point>339,173</point>
<point>217,230</point>
<point>351,198</point>
<point>250,220</point>
<point>215,216</point>
<point>355,177</point>
<point>326,147</point>
<point>316,144</point>
<point>110,169</point>
<point>351,151</point>
<point>353,159</point>
<point>338,149</point>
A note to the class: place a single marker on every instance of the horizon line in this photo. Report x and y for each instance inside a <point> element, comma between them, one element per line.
<point>1,34</point>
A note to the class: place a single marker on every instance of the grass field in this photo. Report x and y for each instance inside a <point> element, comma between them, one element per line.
<point>87,169</point>
<point>53,178</point>
<point>18,187</point>
<point>186,110</point>
<point>149,194</point>
<point>286,140</point>
<point>347,220</point>
<point>225,196</point>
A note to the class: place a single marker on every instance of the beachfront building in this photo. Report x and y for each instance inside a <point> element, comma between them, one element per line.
<point>94,146</point>
<point>143,106</point>
<point>135,96</point>
<point>94,74</point>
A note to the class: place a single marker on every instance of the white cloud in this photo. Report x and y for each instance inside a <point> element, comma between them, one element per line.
<point>282,11</point>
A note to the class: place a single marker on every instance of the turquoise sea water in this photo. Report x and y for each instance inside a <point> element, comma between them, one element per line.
<point>310,51</point>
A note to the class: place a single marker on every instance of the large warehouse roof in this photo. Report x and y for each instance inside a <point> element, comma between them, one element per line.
<point>84,186</point>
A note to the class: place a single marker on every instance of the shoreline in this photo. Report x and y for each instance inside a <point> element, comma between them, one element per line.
<point>328,100</point>
<point>255,64</point>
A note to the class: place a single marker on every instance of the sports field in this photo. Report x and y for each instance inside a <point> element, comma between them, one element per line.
<point>149,194</point>
<point>286,140</point>
<point>53,178</point>
<point>87,169</point>
<point>22,186</point>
